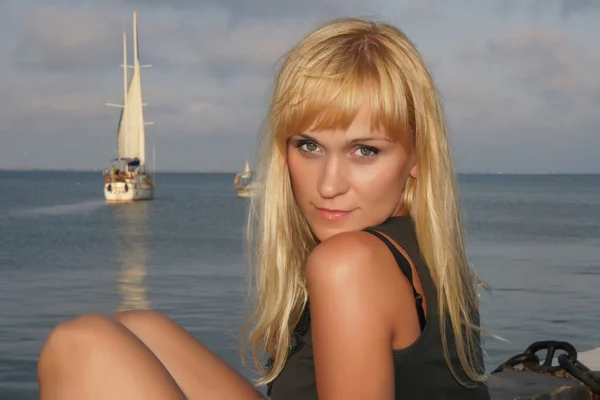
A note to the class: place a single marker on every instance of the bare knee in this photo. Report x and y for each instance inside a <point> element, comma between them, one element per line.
<point>70,334</point>
<point>71,341</point>
<point>157,331</point>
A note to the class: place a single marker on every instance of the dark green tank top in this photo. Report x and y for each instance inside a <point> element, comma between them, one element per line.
<point>420,370</point>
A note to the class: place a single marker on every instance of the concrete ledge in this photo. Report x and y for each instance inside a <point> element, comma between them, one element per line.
<point>520,385</point>
<point>590,359</point>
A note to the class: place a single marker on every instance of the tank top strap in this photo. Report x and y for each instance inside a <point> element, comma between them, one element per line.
<point>406,270</point>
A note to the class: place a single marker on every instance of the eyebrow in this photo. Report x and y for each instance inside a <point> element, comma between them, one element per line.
<point>355,140</point>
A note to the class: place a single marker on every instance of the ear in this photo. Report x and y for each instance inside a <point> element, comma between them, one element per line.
<point>413,170</point>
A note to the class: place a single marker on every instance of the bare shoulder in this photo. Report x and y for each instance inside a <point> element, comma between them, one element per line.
<point>349,249</point>
<point>355,258</point>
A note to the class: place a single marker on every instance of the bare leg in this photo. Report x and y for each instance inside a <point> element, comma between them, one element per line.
<point>93,357</point>
<point>198,372</point>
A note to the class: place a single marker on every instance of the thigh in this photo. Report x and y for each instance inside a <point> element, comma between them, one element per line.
<point>198,371</point>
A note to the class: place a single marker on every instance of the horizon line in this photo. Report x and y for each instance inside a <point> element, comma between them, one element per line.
<point>211,171</point>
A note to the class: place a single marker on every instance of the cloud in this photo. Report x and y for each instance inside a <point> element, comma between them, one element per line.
<point>524,90</point>
<point>566,8</point>
<point>541,59</point>
<point>267,9</point>
<point>538,64</point>
<point>508,91</point>
<point>54,39</point>
<point>66,65</point>
<point>249,48</point>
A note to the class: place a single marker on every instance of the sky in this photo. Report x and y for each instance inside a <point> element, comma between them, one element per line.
<point>519,79</point>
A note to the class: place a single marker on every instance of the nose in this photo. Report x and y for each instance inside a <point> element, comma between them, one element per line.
<point>332,180</point>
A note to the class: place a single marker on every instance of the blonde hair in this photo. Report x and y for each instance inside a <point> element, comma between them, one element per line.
<point>322,83</point>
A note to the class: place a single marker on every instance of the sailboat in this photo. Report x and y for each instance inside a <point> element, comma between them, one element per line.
<point>243,182</point>
<point>128,178</point>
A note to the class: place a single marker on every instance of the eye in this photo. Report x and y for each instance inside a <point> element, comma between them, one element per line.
<point>366,152</point>
<point>310,147</point>
<point>307,147</point>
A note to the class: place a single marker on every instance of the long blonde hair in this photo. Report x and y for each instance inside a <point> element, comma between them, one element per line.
<point>322,83</point>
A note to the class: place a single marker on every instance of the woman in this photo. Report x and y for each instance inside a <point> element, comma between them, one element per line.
<point>363,287</point>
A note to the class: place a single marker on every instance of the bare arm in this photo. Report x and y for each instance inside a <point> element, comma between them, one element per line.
<point>352,317</point>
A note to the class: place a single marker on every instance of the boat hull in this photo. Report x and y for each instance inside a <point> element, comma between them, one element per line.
<point>128,190</point>
<point>246,190</point>
<point>243,192</point>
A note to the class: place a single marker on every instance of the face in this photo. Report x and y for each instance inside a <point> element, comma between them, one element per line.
<point>348,180</point>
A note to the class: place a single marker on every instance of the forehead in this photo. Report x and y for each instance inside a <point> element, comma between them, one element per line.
<point>361,127</point>
<point>370,101</point>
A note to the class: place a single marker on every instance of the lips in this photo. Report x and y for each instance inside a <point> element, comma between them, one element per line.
<point>333,215</point>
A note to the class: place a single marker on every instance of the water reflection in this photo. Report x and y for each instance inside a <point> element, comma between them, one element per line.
<point>132,254</point>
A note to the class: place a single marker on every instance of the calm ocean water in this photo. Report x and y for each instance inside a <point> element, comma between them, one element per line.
<point>63,252</point>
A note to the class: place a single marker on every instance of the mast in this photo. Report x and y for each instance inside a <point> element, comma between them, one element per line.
<point>141,134</point>
<point>131,135</point>
<point>125,121</point>
<point>136,61</point>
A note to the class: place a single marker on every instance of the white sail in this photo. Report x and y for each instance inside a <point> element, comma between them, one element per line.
<point>132,137</point>
<point>247,172</point>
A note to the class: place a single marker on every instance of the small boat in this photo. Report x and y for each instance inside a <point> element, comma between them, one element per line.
<point>128,178</point>
<point>243,183</point>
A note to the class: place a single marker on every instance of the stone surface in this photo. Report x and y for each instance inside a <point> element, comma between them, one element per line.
<point>590,359</point>
<point>519,385</point>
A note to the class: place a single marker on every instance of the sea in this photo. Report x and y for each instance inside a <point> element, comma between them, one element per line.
<point>534,239</point>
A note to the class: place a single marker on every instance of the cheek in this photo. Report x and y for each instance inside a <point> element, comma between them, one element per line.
<point>380,190</point>
<point>298,174</point>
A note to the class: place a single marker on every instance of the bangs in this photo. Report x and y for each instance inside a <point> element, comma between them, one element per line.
<point>329,95</point>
